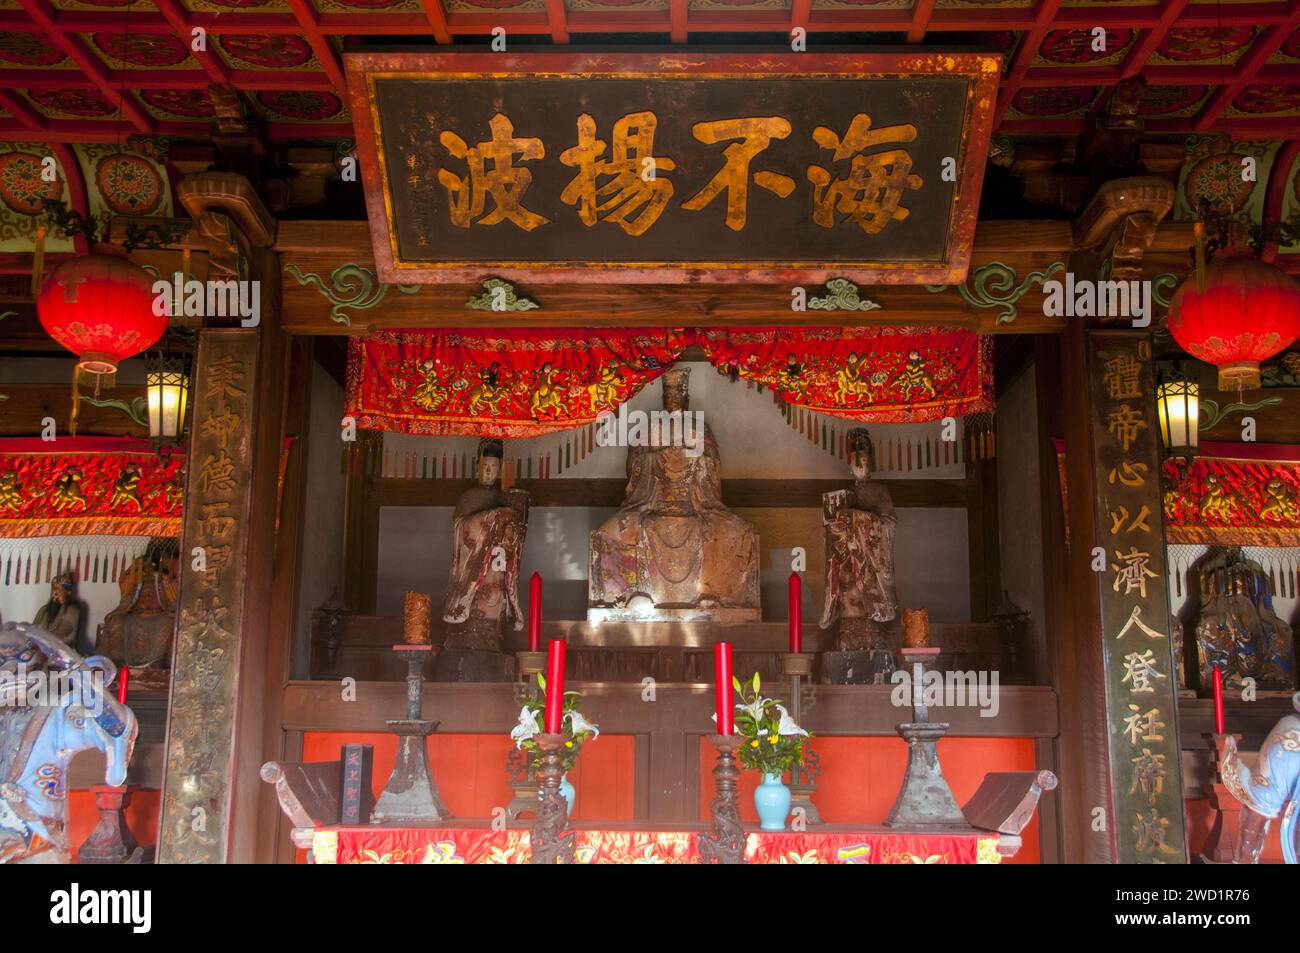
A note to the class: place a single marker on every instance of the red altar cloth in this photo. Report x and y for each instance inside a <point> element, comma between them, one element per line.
<point>465,843</point>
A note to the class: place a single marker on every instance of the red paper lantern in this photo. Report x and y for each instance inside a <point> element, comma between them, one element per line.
<point>100,308</point>
<point>1249,311</point>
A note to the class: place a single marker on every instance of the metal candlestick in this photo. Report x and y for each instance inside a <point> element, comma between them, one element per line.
<point>411,795</point>
<point>803,777</point>
<point>549,842</point>
<point>724,842</point>
<point>925,800</point>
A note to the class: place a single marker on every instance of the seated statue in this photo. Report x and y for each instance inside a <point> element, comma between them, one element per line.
<point>1237,628</point>
<point>487,530</point>
<point>61,616</point>
<point>860,527</point>
<point>139,632</point>
<point>673,551</point>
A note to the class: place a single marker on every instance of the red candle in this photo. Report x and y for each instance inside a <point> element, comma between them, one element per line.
<point>554,719</point>
<point>123,674</point>
<point>1218,701</point>
<point>535,612</point>
<point>722,675</point>
<point>796,614</point>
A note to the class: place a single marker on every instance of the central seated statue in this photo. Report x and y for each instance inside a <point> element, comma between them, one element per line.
<point>673,551</point>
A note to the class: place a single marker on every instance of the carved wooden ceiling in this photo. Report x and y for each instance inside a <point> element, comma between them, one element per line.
<point>100,70</point>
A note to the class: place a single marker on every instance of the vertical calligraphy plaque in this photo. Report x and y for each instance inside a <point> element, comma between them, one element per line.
<point>198,771</point>
<point>1146,813</point>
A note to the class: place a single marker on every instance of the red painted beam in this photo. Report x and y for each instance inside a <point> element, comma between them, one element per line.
<point>1025,53</point>
<point>43,16</point>
<point>677,15</point>
<point>437,17</point>
<point>17,107</point>
<point>1150,42</point>
<point>211,63</point>
<point>324,50</point>
<point>555,16</point>
<point>921,12</point>
<point>800,10</point>
<point>1258,54</point>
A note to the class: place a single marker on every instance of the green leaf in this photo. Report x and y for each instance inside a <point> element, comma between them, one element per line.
<point>541,681</point>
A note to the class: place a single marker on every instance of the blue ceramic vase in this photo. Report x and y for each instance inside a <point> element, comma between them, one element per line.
<point>772,799</point>
<point>568,791</point>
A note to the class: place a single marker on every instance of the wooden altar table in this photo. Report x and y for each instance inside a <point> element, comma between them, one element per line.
<point>473,841</point>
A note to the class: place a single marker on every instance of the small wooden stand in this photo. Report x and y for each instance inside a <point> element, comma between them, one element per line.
<point>724,842</point>
<point>111,842</point>
<point>803,777</point>
<point>549,842</point>
<point>411,795</point>
<point>1225,831</point>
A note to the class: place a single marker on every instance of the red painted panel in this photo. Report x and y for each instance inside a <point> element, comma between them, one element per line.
<point>860,777</point>
<point>471,770</point>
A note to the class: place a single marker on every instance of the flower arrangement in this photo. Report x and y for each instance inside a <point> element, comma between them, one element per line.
<point>773,741</point>
<point>573,724</point>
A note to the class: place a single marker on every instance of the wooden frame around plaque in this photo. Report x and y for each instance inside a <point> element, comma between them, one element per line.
<point>416,240</point>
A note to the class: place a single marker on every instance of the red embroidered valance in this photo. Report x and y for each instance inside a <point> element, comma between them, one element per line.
<point>79,486</point>
<point>527,382</point>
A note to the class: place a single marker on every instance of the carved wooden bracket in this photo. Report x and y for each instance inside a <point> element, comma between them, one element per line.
<point>1120,221</point>
<point>230,218</point>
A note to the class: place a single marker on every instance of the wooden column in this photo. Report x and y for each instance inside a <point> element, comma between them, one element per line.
<point>224,644</point>
<point>1121,783</point>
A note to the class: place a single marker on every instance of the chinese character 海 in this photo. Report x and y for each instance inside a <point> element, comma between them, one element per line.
<point>870,196</point>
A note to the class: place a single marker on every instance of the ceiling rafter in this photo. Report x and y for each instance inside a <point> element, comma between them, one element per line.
<point>209,60</point>
<point>677,17</point>
<point>1250,64</point>
<point>1025,53</point>
<point>557,17</point>
<point>73,46</point>
<point>1150,42</point>
<point>437,17</point>
<point>324,50</point>
<point>17,107</point>
<point>921,13</point>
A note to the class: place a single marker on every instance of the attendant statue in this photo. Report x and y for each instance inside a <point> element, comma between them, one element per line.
<point>487,529</point>
<point>62,615</point>
<point>860,528</point>
<point>139,632</point>
<point>1237,629</point>
<point>673,551</point>
<point>1268,790</point>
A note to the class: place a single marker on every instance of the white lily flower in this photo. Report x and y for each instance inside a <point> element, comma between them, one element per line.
<point>526,728</point>
<point>578,724</point>
<point>787,725</point>
<point>755,709</point>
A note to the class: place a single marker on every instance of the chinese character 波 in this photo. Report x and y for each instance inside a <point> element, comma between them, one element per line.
<point>491,172</point>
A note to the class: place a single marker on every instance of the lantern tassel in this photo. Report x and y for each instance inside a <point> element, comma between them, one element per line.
<point>1198,231</point>
<point>38,261</point>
